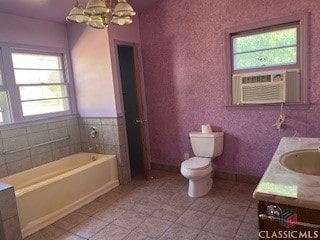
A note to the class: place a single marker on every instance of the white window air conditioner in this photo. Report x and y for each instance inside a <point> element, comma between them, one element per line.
<point>266,87</point>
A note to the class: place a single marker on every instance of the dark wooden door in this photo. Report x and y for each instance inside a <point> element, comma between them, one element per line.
<point>134,110</point>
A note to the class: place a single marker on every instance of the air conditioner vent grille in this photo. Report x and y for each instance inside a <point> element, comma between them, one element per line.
<point>266,93</point>
<point>256,79</point>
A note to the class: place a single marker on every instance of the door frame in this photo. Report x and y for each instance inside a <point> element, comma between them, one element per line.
<point>142,106</point>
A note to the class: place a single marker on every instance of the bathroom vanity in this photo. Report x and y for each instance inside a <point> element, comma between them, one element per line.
<point>289,191</point>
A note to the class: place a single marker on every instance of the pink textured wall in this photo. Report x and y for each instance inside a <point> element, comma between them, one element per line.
<point>184,66</point>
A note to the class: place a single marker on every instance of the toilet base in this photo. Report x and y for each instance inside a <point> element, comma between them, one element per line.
<point>199,187</point>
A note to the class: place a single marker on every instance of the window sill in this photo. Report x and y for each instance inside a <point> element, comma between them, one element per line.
<point>292,106</point>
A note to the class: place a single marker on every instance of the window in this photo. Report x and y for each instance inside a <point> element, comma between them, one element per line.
<point>276,47</point>
<point>268,61</point>
<point>41,83</point>
<point>34,84</point>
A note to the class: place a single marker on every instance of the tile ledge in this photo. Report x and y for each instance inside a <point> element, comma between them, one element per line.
<point>15,125</point>
<point>4,186</point>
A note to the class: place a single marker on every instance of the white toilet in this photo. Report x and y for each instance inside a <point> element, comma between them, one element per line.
<point>198,169</point>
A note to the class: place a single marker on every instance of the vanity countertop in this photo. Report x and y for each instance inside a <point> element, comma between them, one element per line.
<point>281,185</point>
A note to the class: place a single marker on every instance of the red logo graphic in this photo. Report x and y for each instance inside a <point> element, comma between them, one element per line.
<point>288,218</point>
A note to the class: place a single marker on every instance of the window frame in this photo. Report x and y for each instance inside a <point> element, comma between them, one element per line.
<point>3,88</point>
<point>302,53</point>
<point>266,30</point>
<point>64,83</point>
<point>12,88</point>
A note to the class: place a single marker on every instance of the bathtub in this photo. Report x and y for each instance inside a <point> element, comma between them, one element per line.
<point>49,192</point>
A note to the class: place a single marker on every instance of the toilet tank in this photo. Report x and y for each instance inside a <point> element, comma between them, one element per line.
<point>208,145</point>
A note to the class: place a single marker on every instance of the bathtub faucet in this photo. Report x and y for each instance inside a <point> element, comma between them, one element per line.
<point>92,148</point>
<point>93,132</point>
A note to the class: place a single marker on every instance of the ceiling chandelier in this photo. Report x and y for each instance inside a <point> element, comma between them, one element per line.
<point>99,13</point>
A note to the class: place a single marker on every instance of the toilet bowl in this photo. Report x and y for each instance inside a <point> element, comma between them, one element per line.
<point>198,171</point>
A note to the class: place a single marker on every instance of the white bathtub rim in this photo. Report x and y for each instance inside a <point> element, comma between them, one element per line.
<point>40,223</point>
<point>7,179</point>
<point>22,191</point>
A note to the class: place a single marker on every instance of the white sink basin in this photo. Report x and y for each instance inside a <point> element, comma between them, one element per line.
<point>306,161</point>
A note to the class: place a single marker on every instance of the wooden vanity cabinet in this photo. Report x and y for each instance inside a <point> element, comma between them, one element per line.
<point>305,215</point>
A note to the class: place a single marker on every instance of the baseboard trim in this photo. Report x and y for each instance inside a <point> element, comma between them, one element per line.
<point>164,167</point>
<point>216,174</point>
<point>237,177</point>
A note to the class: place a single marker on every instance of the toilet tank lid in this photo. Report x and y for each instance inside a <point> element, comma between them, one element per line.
<point>206,135</point>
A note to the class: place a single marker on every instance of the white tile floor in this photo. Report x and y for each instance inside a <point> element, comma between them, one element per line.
<point>161,209</point>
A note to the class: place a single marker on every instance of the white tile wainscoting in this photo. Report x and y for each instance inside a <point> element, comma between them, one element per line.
<point>110,140</point>
<point>32,134</point>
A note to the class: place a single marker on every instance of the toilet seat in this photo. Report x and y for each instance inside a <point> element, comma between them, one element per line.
<point>196,163</point>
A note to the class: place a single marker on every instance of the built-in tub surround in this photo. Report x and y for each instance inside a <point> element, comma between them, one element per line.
<point>51,191</point>
<point>25,135</point>
<point>110,139</point>
<point>282,185</point>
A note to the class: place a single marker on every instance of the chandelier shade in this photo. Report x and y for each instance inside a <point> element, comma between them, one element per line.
<point>123,9</point>
<point>98,13</point>
<point>77,14</point>
<point>97,7</point>
<point>96,22</point>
